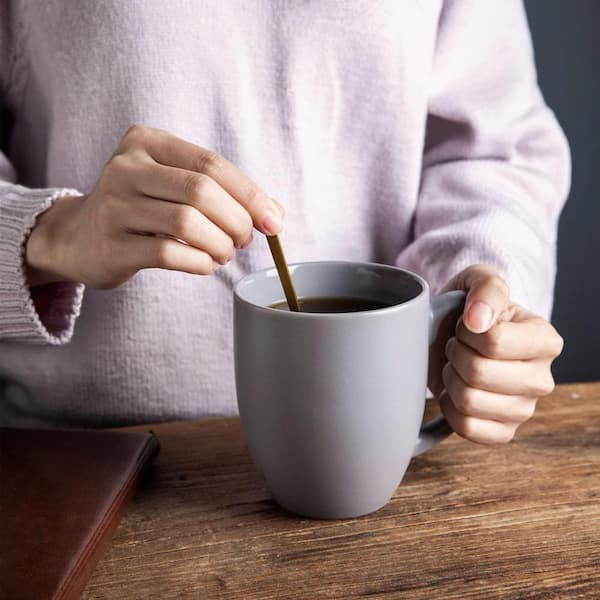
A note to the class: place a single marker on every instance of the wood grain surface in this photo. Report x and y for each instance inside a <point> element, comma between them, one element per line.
<point>468,521</point>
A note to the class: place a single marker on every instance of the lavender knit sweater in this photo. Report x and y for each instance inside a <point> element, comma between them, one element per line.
<point>405,132</point>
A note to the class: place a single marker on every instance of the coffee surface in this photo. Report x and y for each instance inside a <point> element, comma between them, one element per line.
<point>334,304</point>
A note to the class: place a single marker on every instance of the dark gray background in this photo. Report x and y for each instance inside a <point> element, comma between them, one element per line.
<point>566,37</point>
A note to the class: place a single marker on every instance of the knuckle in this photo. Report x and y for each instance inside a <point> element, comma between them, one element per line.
<point>206,266</point>
<point>447,375</point>
<point>196,186</point>
<point>558,344</point>
<point>553,341</point>
<point>475,371</point>
<point>226,251</point>
<point>450,348</point>
<point>136,134</point>
<point>483,269</point>
<point>118,166</point>
<point>208,161</point>
<point>242,229</point>
<point>467,427</point>
<point>255,197</point>
<point>528,411</point>
<point>164,254</point>
<point>466,401</point>
<point>280,207</point>
<point>494,341</point>
<point>246,224</point>
<point>507,434</point>
<point>546,385</point>
<point>543,385</point>
<point>182,221</point>
<point>498,282</point>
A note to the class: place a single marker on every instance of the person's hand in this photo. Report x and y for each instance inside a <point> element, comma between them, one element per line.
<point>159,202</point>
<point>498,362</point>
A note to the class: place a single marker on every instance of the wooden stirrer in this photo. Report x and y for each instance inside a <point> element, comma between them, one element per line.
<point>284,273</point>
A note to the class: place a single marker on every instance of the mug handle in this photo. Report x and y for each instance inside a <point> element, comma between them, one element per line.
<point>438,429</point>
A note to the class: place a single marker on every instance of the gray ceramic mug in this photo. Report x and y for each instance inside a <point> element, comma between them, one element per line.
<point>332,404</point>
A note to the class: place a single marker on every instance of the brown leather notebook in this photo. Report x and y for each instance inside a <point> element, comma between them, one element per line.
<point>62,493</point>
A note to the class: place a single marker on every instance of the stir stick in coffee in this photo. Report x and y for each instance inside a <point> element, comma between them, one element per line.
<point>284,272</point>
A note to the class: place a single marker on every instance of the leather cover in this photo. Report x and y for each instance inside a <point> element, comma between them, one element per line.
<point>62,493</point>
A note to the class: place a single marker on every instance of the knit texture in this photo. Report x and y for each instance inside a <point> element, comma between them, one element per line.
<point>19,318</point>
<point>408,133</point>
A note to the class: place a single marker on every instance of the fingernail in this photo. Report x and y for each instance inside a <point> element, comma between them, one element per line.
<point>227,259</point>
<point>272,223</point>
<point>247,242</point>
<point>480,317</point>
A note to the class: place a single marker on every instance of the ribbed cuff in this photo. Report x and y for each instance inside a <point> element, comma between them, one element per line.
<point>59,304</point>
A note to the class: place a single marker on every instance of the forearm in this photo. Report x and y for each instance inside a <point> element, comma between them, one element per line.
<point>490,212</point>
<point>496,168</point>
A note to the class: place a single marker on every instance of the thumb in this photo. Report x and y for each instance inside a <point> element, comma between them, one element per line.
<point>487,297</point>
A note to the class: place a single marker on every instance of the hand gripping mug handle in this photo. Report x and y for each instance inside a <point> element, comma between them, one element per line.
<point>436,430</point>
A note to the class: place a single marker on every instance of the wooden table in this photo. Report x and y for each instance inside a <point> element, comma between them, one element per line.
<point>468,521</point>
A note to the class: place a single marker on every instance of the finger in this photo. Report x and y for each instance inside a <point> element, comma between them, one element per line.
<point>512,377</point>
<point>487,296</point>
<point>172,151</point>
<point>144,251</point>
<point>279,207</point>
<point>533,338</point>
<point>474,402</point>
<point>201,192</point>
<point>180,221</point>
<point>482,431</point>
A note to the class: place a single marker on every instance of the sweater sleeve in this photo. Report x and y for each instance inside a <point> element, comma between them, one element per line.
<point>44,314</point>
<point>496,165</point>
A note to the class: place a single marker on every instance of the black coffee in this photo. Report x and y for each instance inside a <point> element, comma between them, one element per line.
<point>335,304</point>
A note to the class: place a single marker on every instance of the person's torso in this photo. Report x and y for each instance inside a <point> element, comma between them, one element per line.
<point>323,104</point>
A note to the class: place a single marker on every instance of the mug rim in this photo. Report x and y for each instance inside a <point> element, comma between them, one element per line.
<point>348,315</point>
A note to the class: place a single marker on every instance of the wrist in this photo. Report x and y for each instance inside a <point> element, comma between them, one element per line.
<point>47,245</point>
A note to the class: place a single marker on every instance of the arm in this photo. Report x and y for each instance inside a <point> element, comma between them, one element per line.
<point>496,165</point>
<point>159,202</point>
<point>495,176</point>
